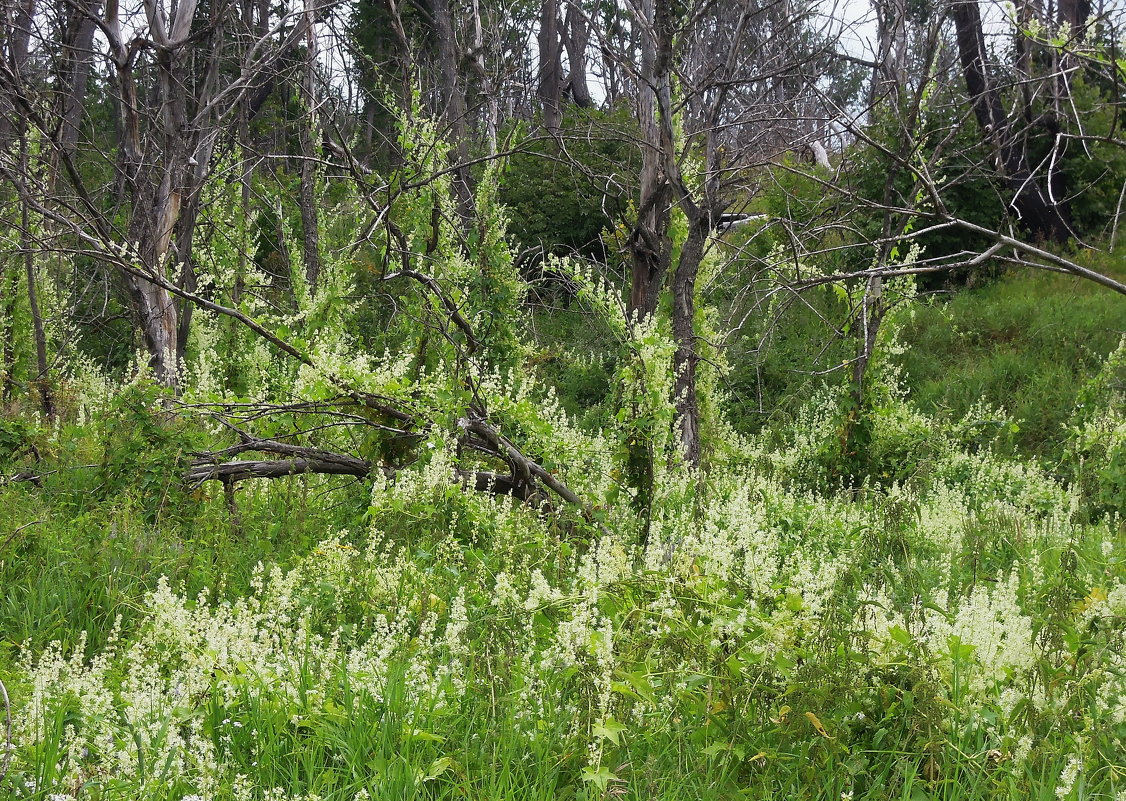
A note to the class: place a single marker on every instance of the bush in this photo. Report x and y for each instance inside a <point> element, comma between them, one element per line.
<point>562,201</point>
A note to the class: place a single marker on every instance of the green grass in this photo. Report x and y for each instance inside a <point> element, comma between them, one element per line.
<point>954,634</point>
<point>1025,344</point>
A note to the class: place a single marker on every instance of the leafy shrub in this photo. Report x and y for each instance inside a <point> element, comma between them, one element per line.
<point>17,438</point>
<point>1097,455</point>
<point>145,449</point>
<point>562,201</point>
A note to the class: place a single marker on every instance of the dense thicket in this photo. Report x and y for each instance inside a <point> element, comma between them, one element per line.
<point>572,399</point>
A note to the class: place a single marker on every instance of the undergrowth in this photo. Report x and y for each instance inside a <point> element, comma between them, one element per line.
<point>921,595</point>
<point>954,633</point>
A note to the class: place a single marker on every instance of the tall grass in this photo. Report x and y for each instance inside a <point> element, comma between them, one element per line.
<point>954,630</point>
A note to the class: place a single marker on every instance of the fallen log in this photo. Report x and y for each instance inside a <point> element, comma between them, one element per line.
<point>240,470</point>
<point>339,464</point>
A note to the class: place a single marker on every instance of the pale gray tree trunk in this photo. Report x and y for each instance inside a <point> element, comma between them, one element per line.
<point>487,88</point>
<point>310,156</point>
<point>890,73</point>
<point>156,180</point>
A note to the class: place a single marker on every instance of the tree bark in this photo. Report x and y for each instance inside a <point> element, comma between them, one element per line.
<point>18,35</point>
<point>1040,213</point>
<point>577,40</point>
<point>453,105</point>
<point>684,333</point>
<point>550,87</point>
<point>42,380</point>
<point>310,158</point>
<point>890,73</point>
<point>650,245</point>
<point>492,105</point>
<point>77,60</point>
<point>160,179</point>
<point>1075,13</point>
<point>11,288</point>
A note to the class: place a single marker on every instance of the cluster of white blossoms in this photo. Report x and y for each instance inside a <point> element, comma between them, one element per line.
<point>451,595</point>
<point>989,620</point>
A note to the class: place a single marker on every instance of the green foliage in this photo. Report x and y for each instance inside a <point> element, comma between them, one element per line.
<point>915,610</point>
<point>17,438</point>
<point>1022,345</point>
<point>142,447</point>
<point>563,201</point>
<point>1097,452</point>
<point>795,640</point>
<point>1095,171</point>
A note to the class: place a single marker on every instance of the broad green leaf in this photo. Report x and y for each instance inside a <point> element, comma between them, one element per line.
<point>437,768</point>
<point>609,729</point>
<point>600,777</point>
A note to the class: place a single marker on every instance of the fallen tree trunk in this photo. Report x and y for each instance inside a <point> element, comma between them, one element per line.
<point>218,466</point>
<point>240,470</point>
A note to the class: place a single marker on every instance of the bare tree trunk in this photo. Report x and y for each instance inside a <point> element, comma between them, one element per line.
<point>577,39</point>
<point>11,288</point>
<point>310,157</point>
<point>18,30</point>
<point>42,380</point>
<point>1027,12</point>
<point>492,112</point>
<point>198,150</point>
<point>684,333</point>
<point>402,55</point>
<point>891,57</point>
<point>253,27</point>
<point>1039,213</point>
<point>550,88</point>
<point>77,59</point>
<point>1076,14</point>
<point>650,245</point>
<point>18,34</point>
<point>157,181</point>
<point>1073,16</point>
<point>871,316</point>
<point>454,109</point>
<point>156,311</point>
<point>17,22</point>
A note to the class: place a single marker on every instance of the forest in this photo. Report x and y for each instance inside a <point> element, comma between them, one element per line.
<point>562,399</point>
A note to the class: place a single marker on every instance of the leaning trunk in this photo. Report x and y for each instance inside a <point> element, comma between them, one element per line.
<point>1040,213</point>
<point>578,37</point>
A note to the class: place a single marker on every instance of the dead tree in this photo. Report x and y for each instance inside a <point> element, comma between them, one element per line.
<point>198,84</point>
<point>1041,213</point>
<point>309,134</point>
<point>550,84</point>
